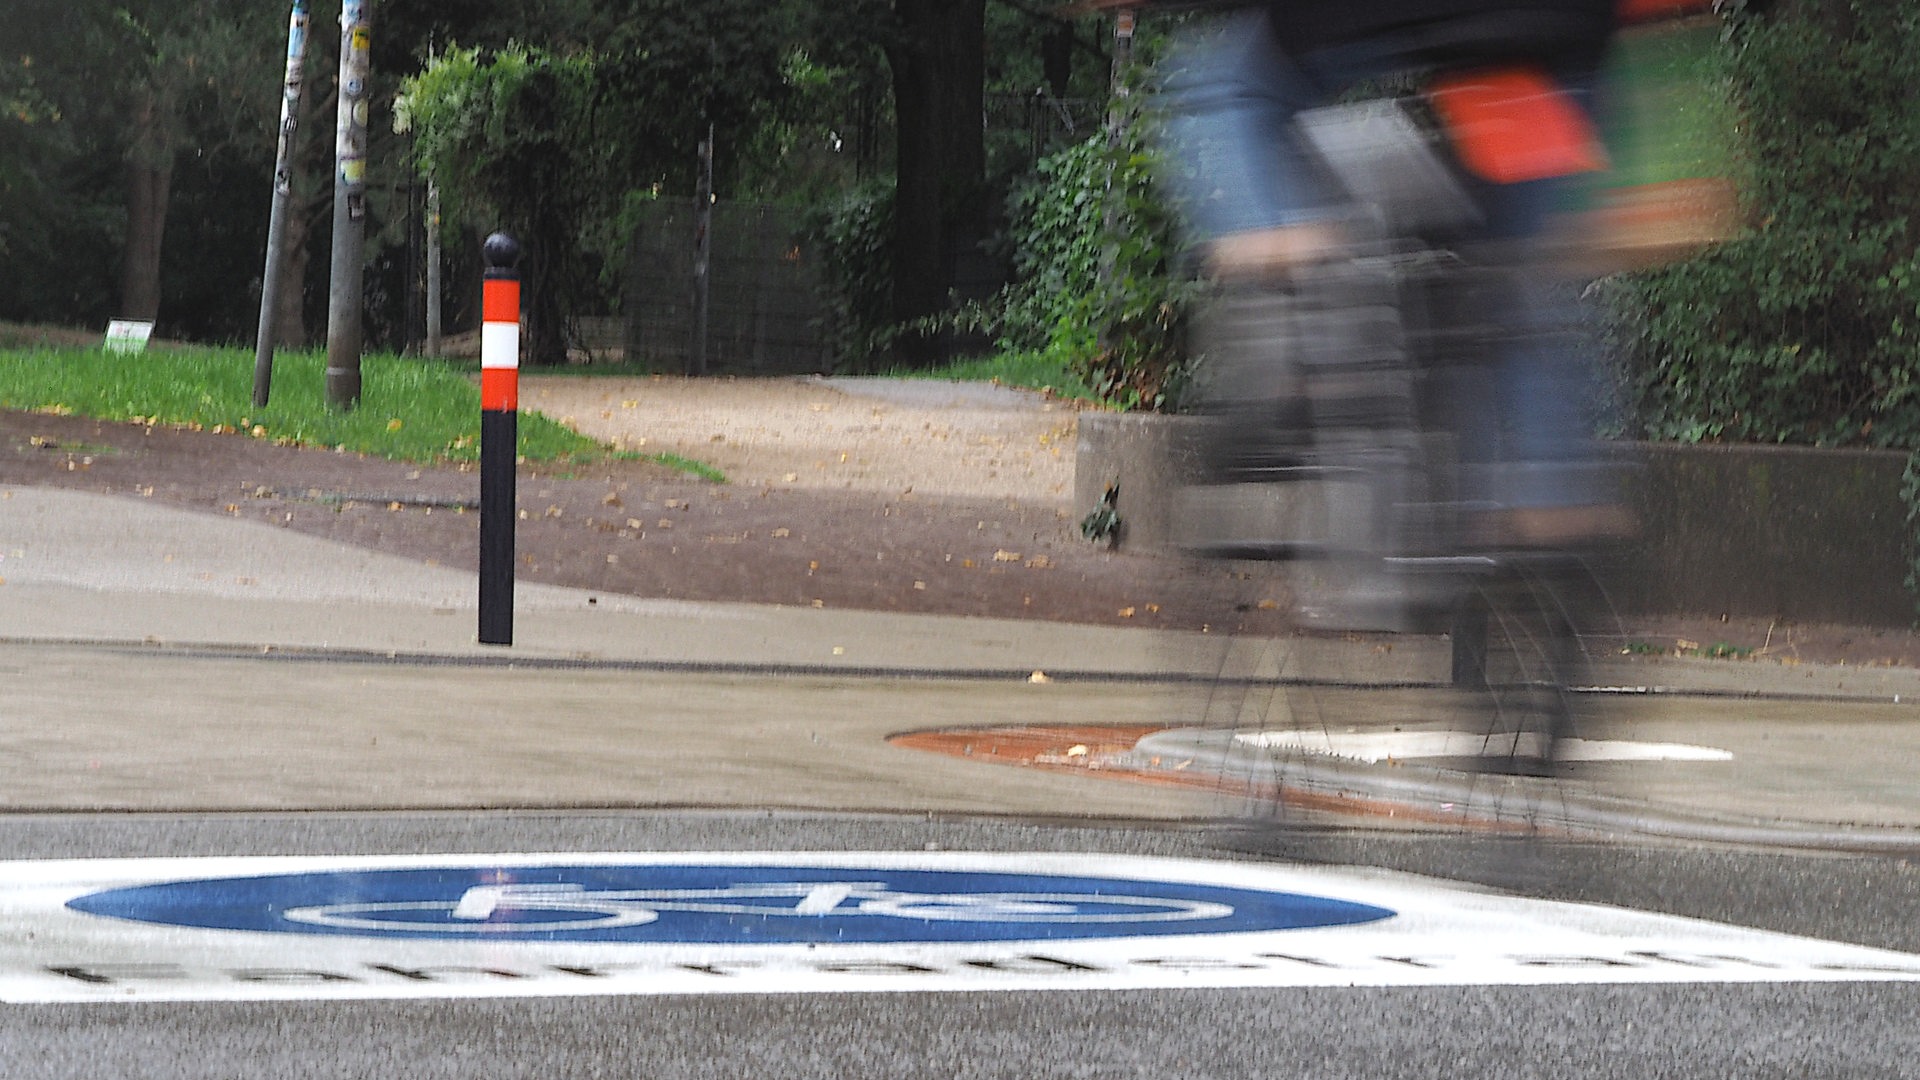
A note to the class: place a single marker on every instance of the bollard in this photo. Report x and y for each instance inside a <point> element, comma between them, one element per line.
<point>499,434</point>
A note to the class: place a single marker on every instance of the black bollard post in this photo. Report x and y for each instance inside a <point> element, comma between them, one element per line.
<point>499,434</point>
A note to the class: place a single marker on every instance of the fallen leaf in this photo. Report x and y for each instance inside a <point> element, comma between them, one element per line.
<point>394,424</point>
<point>1006,556</point>
<point>636,523</point>
<point>1126,613</point>
<point>781,534</point>
<point>611,499</point>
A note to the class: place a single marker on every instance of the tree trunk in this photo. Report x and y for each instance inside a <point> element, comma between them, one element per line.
<point>939,77</point>
<point>290,306</point>
<point>149,187</point>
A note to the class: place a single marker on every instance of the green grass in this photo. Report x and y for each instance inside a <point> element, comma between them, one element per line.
<point>410,410</point>
<point>1030,370</point>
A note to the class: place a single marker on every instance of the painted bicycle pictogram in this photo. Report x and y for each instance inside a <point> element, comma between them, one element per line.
<point>781,901</point>
<point>566,906</point>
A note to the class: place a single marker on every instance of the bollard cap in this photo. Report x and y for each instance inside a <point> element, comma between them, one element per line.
<point>501,253</point>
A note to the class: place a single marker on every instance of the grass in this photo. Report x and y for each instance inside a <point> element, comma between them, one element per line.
<point>1032,370</point>
<point>410,410</point>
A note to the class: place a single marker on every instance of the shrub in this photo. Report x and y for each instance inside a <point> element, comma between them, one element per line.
<point>1095,258</point>
<point>1808,329</point>
<point>853,235</point>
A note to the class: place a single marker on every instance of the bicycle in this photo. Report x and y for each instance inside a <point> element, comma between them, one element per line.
<point>1333,429</point>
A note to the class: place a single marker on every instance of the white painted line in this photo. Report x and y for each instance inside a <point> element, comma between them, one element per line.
<point>514,925</point>
<point>1376,746</point>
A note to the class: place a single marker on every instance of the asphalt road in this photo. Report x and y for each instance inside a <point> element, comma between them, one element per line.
<point>1794,1029</point>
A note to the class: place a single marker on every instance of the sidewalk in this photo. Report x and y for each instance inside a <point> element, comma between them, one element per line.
<point>157,660</point>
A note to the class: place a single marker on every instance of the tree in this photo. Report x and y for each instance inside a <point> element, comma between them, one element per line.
<point>939,81</point>
<point>549,142</point>
<point>201,77</point>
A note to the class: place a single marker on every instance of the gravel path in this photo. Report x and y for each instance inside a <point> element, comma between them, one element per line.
<point>887,435</point>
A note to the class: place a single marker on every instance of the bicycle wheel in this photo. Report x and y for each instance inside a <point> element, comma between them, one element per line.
<point>1424,731</point>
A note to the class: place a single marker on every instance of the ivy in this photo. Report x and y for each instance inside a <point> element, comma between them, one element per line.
<point>1098,288</point>
<point>852,236</point>
<point>1807,330</point>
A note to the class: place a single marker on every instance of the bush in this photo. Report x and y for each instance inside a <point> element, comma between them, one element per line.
<point>1095,258</point>
<point>854,237</point>
<point>1807,330</point>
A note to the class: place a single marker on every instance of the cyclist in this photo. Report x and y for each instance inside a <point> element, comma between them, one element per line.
<point>1264,209</point>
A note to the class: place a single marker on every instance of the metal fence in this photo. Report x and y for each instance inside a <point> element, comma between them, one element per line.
<point>762,292</point>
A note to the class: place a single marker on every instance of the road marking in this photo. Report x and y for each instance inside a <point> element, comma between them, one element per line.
<point>1417,745</point>
<point>434,926</point>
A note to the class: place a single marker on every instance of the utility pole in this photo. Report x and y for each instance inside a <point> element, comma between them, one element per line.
<point>282,195</point>
<point>346,287</point>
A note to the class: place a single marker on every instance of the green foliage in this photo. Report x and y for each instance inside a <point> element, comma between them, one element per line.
<point>853,236</point>
<point>1808,329</point>
<point>1029,369</point>
<point>1096,288</point>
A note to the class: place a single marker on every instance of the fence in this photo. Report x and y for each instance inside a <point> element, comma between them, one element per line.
<point>762,292</point>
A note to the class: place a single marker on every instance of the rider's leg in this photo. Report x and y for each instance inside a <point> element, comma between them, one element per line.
<point>1247,185</point>
<point>1547,472</point>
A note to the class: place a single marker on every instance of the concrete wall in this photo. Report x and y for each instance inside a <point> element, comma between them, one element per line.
<point>1797,534</point>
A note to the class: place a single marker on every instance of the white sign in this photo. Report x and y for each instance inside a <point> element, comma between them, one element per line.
<point>128,335</point>
<point>258,928</point>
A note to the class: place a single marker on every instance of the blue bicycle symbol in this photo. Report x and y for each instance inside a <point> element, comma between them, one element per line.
<point>784,900</point>
<point>524,908</point>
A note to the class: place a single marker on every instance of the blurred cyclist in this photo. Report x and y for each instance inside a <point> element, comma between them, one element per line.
<point>1264,208</point>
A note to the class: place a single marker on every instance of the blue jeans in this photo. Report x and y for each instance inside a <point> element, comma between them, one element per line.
<point>1237,164</point>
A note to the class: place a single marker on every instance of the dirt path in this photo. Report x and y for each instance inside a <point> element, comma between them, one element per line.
<point>882,435</point>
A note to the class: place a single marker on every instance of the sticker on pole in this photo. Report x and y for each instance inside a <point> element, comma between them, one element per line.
<point>279,928</point>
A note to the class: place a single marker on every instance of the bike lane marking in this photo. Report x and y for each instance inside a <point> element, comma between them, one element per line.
<point>521,924</point>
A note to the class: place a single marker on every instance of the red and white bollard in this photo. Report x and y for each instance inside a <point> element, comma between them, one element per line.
<point>499,434</point>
